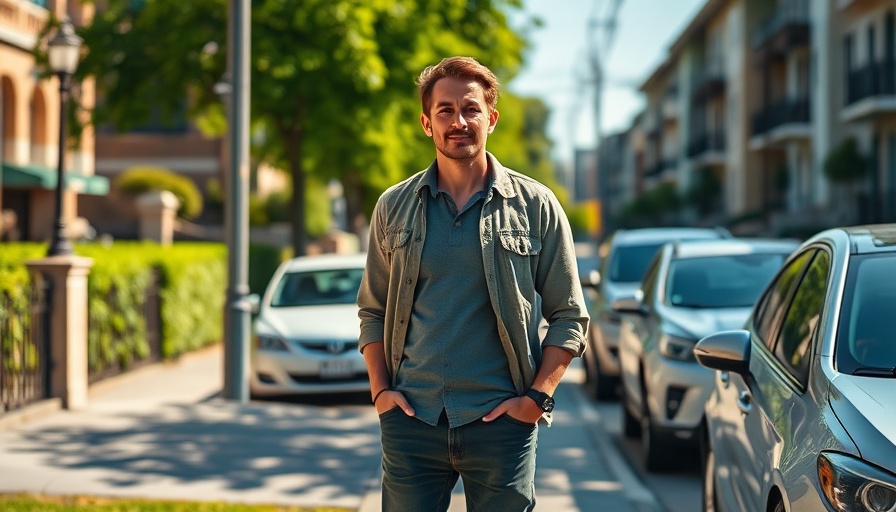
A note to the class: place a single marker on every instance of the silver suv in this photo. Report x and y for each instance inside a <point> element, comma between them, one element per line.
<point>624,256</point>
<point>690,290</point>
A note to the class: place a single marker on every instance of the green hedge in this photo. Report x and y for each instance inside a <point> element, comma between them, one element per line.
<point>192,280</point>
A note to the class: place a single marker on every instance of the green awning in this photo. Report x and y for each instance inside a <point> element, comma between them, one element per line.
<point>37,176</point>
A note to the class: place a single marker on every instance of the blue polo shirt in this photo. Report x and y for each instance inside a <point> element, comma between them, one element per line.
<point>453,359</point>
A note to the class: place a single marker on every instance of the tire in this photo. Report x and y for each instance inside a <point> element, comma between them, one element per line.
<point>631,428</point>
<point>657,454</point>
<point>779,507</point>
<point>710,501</point>
<point>602,388</point>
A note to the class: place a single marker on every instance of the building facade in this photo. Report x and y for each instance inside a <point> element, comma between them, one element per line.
<point>752,100</point>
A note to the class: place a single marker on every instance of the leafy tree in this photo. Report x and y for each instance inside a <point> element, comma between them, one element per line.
<point>333,92</point>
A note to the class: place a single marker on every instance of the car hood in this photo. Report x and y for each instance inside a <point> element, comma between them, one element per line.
<point>311,322</point>
<point>699,323</point>
<point>866,407</point>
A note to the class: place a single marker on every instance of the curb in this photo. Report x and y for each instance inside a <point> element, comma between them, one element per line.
<point>641,498</point>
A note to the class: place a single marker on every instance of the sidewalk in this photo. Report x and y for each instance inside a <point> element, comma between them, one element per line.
<point>162,432</point>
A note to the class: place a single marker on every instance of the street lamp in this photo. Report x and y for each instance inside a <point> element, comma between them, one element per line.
<point>63,53</point>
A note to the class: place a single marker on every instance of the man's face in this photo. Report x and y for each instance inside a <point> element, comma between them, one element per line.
<point>459,119</point>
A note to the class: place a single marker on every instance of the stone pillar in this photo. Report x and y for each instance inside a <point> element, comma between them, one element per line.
<point>158,211</point>
<point>68,325</point>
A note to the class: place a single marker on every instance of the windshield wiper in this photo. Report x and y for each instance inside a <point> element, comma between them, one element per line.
<point>865,371</point>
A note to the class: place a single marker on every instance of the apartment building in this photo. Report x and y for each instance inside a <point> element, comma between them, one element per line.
<point>29,127</point>
<point>752,99</point>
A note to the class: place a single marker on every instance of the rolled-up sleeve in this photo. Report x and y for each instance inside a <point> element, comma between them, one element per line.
<point>557,281</point>
<point>374,291</point>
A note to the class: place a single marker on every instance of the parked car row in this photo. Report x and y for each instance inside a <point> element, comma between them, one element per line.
<point>775,361</point>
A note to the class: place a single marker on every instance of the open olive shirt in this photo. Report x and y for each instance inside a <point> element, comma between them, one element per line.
<point>527,251</point>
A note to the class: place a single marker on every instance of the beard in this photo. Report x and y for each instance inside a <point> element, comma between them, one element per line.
<point>454,150</point>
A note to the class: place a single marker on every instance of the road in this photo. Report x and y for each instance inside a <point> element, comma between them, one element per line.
<point>678,490</point>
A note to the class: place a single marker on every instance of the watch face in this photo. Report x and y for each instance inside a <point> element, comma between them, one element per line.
<point>548,405</point>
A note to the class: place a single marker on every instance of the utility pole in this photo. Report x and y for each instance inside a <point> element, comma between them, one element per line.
<point>602,33</point>
<point>237,308</point>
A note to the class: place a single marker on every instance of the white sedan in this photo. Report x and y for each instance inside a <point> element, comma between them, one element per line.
<point>305,336</point>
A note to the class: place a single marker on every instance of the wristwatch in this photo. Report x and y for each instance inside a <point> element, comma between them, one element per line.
<point>541,399</point>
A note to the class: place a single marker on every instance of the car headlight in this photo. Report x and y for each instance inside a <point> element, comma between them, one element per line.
<point>674,347</point>
<point>852,484</point>
<point>269,342</point>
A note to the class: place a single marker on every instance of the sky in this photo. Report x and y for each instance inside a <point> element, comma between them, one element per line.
<point>557,64</point>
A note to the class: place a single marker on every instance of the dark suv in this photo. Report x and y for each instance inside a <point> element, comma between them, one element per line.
<point>624,256</point>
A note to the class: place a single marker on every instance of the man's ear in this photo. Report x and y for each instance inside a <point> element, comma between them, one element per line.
<point>493,120</point>
<point>427,126</point>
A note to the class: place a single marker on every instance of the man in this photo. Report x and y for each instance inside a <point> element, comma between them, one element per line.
<point>460,255</point>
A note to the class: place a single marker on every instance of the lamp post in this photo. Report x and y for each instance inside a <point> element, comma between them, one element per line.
<point>63,53</point>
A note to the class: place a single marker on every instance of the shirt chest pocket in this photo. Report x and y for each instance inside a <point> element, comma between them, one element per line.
<point>520,242</point>
<point>396,240</point>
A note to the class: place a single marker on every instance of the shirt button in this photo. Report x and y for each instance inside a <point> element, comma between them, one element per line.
<point>457,224</point>
<point>408,281</point>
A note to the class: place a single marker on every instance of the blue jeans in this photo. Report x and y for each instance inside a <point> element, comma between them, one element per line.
<point>421,464</point>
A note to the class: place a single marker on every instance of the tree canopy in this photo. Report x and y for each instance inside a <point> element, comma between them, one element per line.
<point>332,82</point>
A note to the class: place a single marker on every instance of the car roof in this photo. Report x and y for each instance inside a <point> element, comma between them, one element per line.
<point>872,238</point>
<point>325,262</point>
<point>659,235</point>
<point>731,246</point>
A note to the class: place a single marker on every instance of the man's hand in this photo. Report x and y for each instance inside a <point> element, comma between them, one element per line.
<point>391,399</point>
<point>521,408</point>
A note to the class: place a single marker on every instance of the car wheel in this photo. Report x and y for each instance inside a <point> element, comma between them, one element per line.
<point>779,507</point>
<point>710,502</point>
<point>603,387</point>
<point>631,428</point>
<point>657,454</point>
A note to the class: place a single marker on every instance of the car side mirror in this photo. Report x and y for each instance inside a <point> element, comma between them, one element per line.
<point>590,279</point>
<point>727,351</point>
<point>630,305</point>
<point>253,300</point>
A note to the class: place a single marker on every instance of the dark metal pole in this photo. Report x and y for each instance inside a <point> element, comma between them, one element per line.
<point>237,314</point>
<point>61,245</point>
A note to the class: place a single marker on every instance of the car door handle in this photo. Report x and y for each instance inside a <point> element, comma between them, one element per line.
<point>725,377</point>
<point>745,402</point>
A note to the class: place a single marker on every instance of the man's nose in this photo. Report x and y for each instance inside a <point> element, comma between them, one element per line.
<point>459,121</point>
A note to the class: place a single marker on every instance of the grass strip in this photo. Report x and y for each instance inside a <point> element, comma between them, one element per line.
<point>42,503</point>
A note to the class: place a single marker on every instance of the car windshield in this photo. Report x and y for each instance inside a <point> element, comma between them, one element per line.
<point>867,333</point>
<point>729,281</point>
<point>630,261</point>
<point>316,288</point>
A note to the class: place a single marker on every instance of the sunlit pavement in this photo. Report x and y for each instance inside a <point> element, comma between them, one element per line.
<point>161,432</point>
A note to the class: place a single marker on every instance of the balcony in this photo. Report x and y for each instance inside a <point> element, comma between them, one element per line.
<point>708,148</point>
<point>782,120</point>
<point>788,27</point>
<point>21,21</point>
<point>709,80</point>
<point>870,91</point>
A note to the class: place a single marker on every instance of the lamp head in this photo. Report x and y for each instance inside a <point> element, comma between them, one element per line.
<point>64,50</point>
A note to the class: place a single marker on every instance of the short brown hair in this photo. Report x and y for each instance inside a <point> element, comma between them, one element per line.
<point>458,67</point>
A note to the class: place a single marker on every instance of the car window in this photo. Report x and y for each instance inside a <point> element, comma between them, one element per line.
<point>628,262</point>
<point>725,281</point>
<point>316,288</point>
<point>769,312</point>
<point>803,313</point>
<point>867,334</point>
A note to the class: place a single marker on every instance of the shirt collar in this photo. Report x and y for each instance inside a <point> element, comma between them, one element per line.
<point>499,180</point>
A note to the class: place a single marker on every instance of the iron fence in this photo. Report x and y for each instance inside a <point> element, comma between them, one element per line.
<point>24,346</point>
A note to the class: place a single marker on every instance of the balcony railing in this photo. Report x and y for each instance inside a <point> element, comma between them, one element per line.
<point>709,79</point>
<point>22,21</point>
<point>780,113</point>
<point>708,142</point>
<point>790,16</point>
<point>875,79</point>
